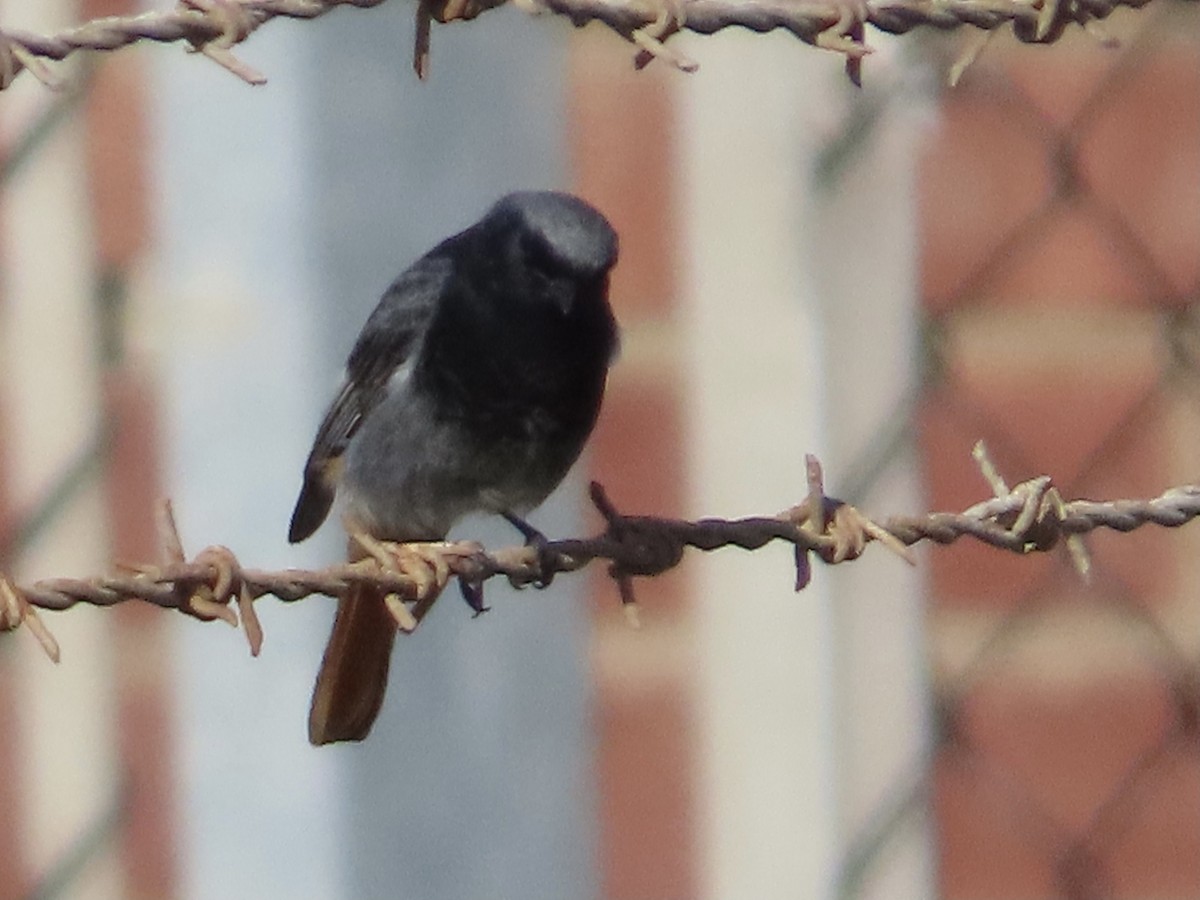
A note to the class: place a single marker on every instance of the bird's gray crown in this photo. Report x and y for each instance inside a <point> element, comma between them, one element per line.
<point>571,230</point>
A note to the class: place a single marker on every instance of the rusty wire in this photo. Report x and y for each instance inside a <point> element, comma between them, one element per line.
<point>1030,517</point>
<point>214,27</point>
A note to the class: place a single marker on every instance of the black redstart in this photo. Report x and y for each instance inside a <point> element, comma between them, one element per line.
<point>472,388</point>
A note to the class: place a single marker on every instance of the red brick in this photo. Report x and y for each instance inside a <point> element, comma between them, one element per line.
<point>637,454</point>
<point>622,135</point>
<point>95,9</point>
<point>645,764</point>
<point>982,176</point>
<point>1157,849</point>
<point>117,162</point>
<point>637,449</point>
<point>1051,419</point>
<point>1060,80</point>
<point>1068,748</point>
<point>1139,568</point>
<point>1142,156</point>
<point>134,479</point>
<point>146,728</point>
<point>14,874</point>
<point>1076,260</point>
<point>990,845</point>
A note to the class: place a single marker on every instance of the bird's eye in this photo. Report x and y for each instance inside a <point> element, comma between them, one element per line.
<point>537,253</point>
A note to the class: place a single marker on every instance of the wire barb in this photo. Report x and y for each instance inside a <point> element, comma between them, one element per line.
<point>16,610</point>
<point>236,24</point>
<point>1029,517</point>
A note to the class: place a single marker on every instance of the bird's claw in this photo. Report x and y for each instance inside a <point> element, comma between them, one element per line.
<point>544,557</point>
<point>472,593</point>
<point>424,563</point>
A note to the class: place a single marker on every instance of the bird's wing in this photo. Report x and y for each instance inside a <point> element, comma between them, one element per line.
<point>389,341</point>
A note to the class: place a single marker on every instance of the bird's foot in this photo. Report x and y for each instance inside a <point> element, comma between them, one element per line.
<point>424,564</point>
<point>545,558</point>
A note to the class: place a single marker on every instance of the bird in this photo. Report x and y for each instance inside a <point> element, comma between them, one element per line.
<point>472,388</point>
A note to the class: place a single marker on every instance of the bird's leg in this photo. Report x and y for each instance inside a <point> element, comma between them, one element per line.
<point>544,557</point>
<point>395,604</point>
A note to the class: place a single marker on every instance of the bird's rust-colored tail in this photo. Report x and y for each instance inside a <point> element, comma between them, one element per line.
<point>353,676</point>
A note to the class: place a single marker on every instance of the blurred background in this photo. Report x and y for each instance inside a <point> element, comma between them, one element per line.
<point>880,276</point>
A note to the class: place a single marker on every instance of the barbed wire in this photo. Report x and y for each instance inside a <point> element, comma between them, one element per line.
<point>214,27</point>
<point>1029,517</point>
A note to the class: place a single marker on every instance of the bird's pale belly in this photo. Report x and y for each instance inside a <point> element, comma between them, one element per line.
<point>414,481</point>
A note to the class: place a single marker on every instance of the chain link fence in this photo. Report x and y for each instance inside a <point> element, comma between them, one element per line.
<point>1061,294</point>
<point>1060,235</point>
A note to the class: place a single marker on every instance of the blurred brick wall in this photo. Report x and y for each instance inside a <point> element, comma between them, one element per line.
<point>118,177</point>
<point>622,130</point>
<point>1061,279</point>
<point>140,833</point>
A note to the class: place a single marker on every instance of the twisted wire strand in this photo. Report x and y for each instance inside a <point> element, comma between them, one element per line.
<point>1031,517</point>
<point>212,27</point>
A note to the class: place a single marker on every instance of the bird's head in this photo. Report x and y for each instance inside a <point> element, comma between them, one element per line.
<point>557,234</point>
